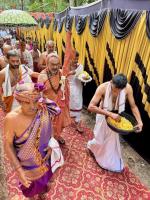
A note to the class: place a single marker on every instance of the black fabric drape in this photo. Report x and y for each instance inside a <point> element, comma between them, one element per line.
<point>68,23</point>
<point>142,68</point>
<point>55,24</point>
<point>96,22</point>
<point>123,21</point>
<point>80,22</point>
<point>111,57</point>
<point>47,22</point>
<point>40,22</point>
<point>92,62</point>
<point>90,88</point>
<point>107,72</point>
<point>140,142</point>
<point>60,25</point>
<point>148,23</point>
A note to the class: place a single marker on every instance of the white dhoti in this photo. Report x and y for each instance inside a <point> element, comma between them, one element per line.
<point>106,145</point>
<point>57,159</point>
<point>76,98</point>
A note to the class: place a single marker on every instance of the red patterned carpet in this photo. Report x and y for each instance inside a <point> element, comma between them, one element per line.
<point>82,179</point>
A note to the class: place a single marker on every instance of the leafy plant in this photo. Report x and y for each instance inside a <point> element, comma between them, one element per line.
<point>48,5</point>
<point>42,5</point>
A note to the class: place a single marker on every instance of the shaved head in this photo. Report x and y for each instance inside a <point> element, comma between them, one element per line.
<point>52,56</point>
<point>6,49</point>
<point>53,63</point>
<point>49,42</point>
<point>50,46</point>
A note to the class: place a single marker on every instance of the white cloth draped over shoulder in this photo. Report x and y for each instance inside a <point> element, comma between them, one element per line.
<point>7,89</point>
<point>106,145</point>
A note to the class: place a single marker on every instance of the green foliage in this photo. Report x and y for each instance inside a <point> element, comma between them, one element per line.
<point>82,2</point>
<point>41,5</point>
<point>17,4</point>
<point>48,5</point>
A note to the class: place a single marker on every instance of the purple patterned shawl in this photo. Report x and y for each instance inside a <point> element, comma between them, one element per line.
<point>30,148</point>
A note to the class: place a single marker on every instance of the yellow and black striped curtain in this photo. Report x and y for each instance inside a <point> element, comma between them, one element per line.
<point>109,49</point>
<point>108,42</point>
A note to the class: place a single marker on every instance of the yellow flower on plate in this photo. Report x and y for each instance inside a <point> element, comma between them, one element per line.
<point>123,124</point>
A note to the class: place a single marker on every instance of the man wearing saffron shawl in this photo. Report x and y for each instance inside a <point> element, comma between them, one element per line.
<point>29,142</point>
<point>51,77</point>
<point>57,86</point>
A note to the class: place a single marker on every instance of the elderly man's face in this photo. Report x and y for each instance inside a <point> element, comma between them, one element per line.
<point>53,65</point>
<point>50,47</point>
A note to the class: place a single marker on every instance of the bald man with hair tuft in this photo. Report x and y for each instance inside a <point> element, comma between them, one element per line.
<point>50,48</point>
